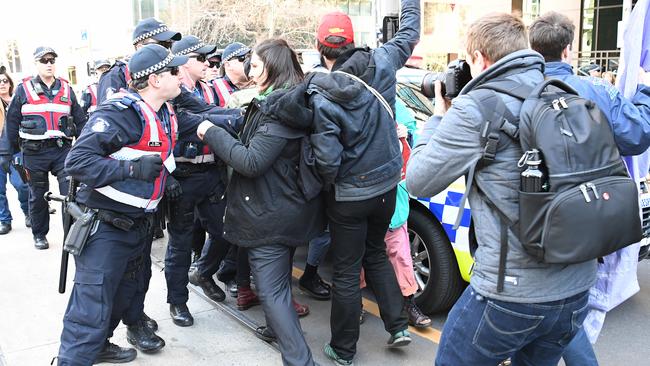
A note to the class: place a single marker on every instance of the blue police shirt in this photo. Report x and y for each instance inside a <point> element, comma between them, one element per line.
<point>630,119</point>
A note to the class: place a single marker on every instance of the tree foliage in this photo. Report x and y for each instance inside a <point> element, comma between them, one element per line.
<point>221,22</point>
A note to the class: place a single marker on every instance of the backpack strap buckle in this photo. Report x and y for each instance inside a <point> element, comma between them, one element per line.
<point>491,144</point>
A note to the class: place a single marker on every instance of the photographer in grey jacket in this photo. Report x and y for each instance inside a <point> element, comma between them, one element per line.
<point>541,306</point>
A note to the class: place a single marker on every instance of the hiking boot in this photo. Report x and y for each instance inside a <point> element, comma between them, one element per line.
<point>209,287</point>
<point>112,353</point>
<point>331,354</point>
<point>143,338</point>
<point>246,298</point>
<point>399,339</point>
<point>415,315</point>
<point>301,309</point>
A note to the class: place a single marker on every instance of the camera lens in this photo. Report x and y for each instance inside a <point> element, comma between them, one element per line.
<point>428,86</point>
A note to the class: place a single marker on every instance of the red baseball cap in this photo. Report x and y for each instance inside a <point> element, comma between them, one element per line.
<point>335,24</point>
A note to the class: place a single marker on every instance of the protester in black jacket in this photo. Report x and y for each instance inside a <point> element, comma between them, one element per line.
<point>266,210</point>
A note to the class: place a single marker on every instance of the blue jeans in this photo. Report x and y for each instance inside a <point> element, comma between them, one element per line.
<point>23,194</point>
<point>580,352</point>
<point>318,247</point>
<point>482,331</point>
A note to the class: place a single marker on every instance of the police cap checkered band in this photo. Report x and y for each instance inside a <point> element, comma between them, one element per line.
<point>42,51</point>
<point>233,50</point>
<point>162,28</point>
<point>191,49</point>
<point>153,68</point>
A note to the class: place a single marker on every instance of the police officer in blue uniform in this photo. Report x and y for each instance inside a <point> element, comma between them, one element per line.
<point>200,187</point>
<point>89,96</point>
<point>41,121</point>
<point>148,31</point>
<point>122,159</point>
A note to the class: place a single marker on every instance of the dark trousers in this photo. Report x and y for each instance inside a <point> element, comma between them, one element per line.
<point>108,275</point>
<point>484,331</point>
<point>358,229</point>
<point>39,164</point>
<point>271,268</point>
<point>135,310</point>
<point>180,228</point>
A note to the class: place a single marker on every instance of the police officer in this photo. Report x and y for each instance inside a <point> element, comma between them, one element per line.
<point>234,78</point>
<point>123,159</point>
<point>42,120</point>
<point>199,187</point>
<point>89,95</point>
<point>148,31</point>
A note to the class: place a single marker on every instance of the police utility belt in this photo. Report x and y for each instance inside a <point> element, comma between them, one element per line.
<point>86,222</point>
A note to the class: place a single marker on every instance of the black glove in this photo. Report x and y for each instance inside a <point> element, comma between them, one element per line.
<point>173,190</point>
<point>5,161</point>
<point>146,168</point>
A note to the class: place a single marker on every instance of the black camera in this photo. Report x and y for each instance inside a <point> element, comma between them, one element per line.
<point>453,80</point>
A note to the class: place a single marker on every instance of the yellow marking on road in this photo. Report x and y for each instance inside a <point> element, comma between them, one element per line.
<point>371,307</point>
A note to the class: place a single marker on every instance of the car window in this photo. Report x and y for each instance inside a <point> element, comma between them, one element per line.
<point>414,100</point>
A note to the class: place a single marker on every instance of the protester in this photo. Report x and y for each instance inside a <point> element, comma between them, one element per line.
<point>267,212</point>
<point>6,92</point>
<point>526,313</point>
<point>552,35</point>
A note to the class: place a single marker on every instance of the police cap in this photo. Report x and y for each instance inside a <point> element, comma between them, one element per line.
<point>42,51</point>
<point>152,58</point>
<point>192,44</point>
<point>153,28</point>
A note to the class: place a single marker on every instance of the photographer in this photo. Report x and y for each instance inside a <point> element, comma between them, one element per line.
<point>533,317</point>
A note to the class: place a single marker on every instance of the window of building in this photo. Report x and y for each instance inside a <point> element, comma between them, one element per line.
<point>72,74</point>
<point>143,9</point>
<point>13,57</point>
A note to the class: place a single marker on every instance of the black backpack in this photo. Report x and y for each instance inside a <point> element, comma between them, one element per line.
<point>590,207</point>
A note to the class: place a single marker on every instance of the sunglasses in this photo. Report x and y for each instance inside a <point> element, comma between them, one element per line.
<point>199,58</point>
<point>50,61</point>
<point>166,44</point>
<point>171,70</point>
<point>215,64</point>
<point>4,81</point>
<point>240,58</point>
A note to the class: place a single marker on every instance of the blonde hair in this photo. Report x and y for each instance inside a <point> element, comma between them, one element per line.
<point>496,35</point>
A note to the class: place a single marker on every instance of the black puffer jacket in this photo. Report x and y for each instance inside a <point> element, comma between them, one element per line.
<point>265,205</point>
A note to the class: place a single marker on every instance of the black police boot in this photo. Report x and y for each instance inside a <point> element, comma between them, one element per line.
<point>315,287</point>
<point>40,242</point>
<point>209,287</point>
<point>113,353</point>
<point>5,228</point>
<point>181,315</point>
<point>149,323</point>
<point>143,338</point>
<point>28,221</point>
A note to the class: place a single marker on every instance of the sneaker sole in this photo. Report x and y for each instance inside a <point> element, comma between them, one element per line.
<point>334,361</point>
<point>400,342</point>
<point>421,326</point>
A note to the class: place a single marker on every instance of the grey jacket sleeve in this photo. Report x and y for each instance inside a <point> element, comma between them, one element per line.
<point>400,47</point>
<point>252,160</point>
<point>445,150</point>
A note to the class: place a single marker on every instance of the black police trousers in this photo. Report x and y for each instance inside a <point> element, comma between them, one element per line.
<point>109,278</point>
<point>39,164</point>
<point>197,190</point>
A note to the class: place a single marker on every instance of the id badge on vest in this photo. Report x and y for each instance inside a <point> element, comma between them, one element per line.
<point>170,163</point>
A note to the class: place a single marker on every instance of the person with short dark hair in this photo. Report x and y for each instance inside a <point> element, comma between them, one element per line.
<point>7,169</point>
<point>515,306</point>
<point>552,35</point>
<point>358,157</point>
<point>41,122</point>
<point>266,211</point>
<point>122,160</point>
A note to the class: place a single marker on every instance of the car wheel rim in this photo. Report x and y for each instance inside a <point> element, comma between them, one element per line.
<point>421,261</point>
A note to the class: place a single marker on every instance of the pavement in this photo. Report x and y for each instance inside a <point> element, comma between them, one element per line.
<point>31,313</point>
<point>31,310</point>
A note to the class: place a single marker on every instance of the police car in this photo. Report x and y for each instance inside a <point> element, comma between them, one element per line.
<point>441,255</point>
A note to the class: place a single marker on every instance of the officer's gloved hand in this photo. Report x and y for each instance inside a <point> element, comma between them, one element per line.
<point>146,168</point>
<point>173,190</point>
<point>5,161</point>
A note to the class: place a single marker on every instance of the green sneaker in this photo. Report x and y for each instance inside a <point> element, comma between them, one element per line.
<point>399,339</point>
<point>331,354</point>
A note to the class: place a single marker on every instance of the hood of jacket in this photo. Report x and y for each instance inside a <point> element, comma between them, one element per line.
<point>515,63</point>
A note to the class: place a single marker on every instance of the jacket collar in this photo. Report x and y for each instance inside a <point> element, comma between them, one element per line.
<point>558,68</point>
